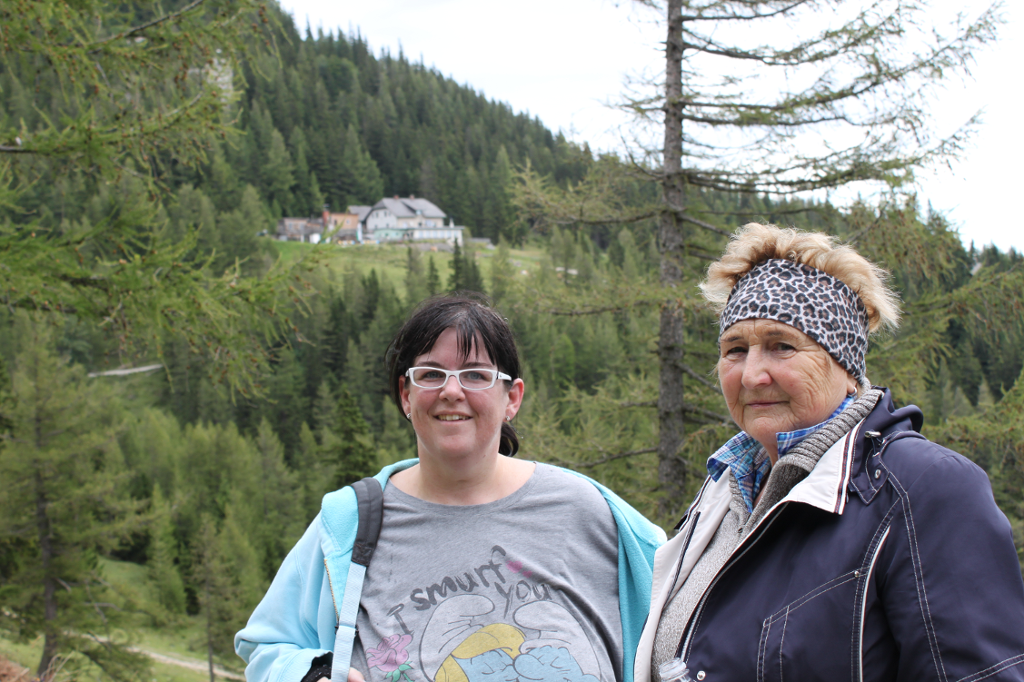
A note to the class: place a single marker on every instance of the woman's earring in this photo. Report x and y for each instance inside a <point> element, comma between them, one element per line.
<point>508,418</point>
<point>409,416</point>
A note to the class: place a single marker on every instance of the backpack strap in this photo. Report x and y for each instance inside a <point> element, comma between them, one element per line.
<point>370,500</point>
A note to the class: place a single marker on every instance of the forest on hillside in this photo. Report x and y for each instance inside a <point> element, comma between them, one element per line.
<point>172,496</point>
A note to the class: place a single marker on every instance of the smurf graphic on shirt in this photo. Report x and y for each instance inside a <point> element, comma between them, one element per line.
<point>481,630</point>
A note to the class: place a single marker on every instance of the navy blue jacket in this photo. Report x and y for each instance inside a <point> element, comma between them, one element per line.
<point>905,570</point>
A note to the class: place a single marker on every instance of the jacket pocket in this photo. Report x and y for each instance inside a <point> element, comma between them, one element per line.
<point>812,637</point>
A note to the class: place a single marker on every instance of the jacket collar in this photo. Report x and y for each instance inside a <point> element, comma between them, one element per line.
<point>840,468</point>
<point>880,427</point>
<point>825,486</point>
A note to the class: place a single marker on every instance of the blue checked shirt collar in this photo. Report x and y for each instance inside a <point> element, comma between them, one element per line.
<point>749,461</point>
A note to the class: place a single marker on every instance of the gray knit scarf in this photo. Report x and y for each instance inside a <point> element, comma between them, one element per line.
<point>796,464</point>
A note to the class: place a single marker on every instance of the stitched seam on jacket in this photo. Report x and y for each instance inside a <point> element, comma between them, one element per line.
<point>838,581</point>
<point>915,561</point>
<point>762,649</point>
<point>782,641</point>
<point>992,670</point>
<point>783,615</point>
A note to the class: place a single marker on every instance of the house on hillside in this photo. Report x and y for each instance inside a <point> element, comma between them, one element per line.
<point>389,220</point>
<point>340,228</point>
<point>344,228</point>
<point>361,212</point>
<point>300,230</point>
<point>407,219</point>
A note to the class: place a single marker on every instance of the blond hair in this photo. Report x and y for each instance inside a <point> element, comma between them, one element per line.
<point>754,243</point>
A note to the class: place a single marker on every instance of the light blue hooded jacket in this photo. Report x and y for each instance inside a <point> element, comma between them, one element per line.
<point>295,621</point>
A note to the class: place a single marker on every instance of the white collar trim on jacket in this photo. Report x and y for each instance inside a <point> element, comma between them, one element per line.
<point>826,486</point>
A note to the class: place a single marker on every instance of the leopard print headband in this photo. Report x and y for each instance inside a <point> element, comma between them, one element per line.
<point>808,299</point>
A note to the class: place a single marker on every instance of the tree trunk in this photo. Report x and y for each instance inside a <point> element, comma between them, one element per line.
<point>50,643</point>
<point>209,621</point>
<point>671,473</point>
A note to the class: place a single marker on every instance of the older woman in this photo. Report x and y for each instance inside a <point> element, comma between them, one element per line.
<point>831,541</point>
<point>487,568</point>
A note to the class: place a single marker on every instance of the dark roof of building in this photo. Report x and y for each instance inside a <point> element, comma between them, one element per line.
<point>361,211</point>
<point>408,207</point>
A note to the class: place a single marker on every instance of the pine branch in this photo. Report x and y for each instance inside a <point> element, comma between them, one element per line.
<point>696,375</point>
<point>138,29</point>
<point>719,418</point>
<point>682,214</point>
<point>605,460</point>
<point>745,17</point>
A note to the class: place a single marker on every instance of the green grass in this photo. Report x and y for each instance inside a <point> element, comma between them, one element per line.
<point>172,673</point>
<point>28,655</point>
<point>389,260</point>
<point>22,654</point>
<point>182,638</point>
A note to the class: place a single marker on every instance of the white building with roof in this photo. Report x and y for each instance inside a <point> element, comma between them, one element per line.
<point>407,219</point>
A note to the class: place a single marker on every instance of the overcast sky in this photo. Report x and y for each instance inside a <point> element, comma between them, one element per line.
<point>564,60</point>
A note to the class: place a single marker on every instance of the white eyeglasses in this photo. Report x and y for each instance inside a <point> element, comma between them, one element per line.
<point>469,379</point>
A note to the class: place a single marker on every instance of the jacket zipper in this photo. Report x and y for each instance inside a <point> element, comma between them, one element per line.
<point>330,584</point>
<point>683,651</point>
<point>864,604</point>
<point>689,535</point>
<point>682,554</point>
<point>686,640</point>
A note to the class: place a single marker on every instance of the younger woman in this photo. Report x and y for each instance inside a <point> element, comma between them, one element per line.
<point>487,568</point>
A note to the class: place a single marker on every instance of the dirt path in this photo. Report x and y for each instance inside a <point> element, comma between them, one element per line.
<point>12,672</point>
<point>191,664</point>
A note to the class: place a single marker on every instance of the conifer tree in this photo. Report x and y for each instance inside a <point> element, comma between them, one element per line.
<point>858,82</point>
<point>163,553</point>
<point>474,280</point>
<point>457,278</point>
<point>315,479</point>
<point>64,496</point>
<point>124,98</point>
<point>238,236</point>
<point>221,181</point>
<point>502,271</point>
<point>861,117</point>
<point>359,180</point>
<point>335,336</point>
<point>352,456</point>
<point>273,501</point>
<point>6,404</point>
<point>226,577</point>
<point>415,277</point>
<point>433,278</point>
<point>277,172</point>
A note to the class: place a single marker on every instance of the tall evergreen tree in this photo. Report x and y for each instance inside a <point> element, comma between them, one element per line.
<point>277,172</point>
<point>868,77</point>
<point>352,455</point>
<point>226,577</point>
<point>126,101</point>
<point>457,278</point>
<point>415,277</point>
<point>335,336</point>
<point>502,272</point>
<point>433,278</point>
<point>163,554</point>
<point>64,495</point>
<point>359,179</point>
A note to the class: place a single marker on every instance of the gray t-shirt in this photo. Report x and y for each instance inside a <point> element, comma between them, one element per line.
<point>523,589</point>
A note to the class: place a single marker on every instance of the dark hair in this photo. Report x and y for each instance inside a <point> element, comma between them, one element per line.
<point>471,316</point>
